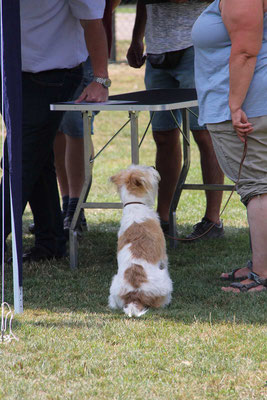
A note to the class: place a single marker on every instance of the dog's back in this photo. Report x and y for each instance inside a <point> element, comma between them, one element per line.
<point>142,280</point>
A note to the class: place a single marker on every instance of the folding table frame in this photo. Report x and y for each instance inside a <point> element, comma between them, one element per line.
<point>149,100</point>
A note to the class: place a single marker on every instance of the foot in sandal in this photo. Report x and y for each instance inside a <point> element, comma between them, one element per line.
<point>238,274</point>
<point>254,283</point>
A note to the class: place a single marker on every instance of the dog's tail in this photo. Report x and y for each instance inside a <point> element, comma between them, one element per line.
<point>133,311</point>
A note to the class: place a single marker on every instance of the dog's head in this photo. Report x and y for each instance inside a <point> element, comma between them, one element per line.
<point>137,183</point>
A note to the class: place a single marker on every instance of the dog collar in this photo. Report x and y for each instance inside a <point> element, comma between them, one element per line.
<point>133,202</point>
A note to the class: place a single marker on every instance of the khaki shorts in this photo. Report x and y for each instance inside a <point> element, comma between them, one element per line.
<point>229,151</point>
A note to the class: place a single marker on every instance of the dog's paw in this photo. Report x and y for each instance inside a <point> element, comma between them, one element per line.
<point>112,302</point>
<point>131,310</point>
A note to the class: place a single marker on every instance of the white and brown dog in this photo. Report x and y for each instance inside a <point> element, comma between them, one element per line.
<point>142,280</point>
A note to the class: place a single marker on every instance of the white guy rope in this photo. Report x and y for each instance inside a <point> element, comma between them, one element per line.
<point>6,327</point>
<point>5,336</point>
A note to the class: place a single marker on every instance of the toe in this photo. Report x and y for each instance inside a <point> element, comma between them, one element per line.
<point>258,288</point>
<point>242,272</point>
<point>230,289</point>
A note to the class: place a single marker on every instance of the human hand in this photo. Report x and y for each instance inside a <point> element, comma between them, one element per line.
<point>93,93</point>
<point>241,124</point>
<point>135,55</point>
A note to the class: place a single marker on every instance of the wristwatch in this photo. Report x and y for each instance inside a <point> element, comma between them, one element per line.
<point>105,82</point>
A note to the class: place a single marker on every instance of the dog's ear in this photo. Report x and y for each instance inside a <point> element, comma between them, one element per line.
<point>137,183</point>
<point>118,179</point>
<point>136,179</point>
<point>113,179</point>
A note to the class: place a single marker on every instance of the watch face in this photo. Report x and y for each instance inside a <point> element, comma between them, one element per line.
<point>107,83</point>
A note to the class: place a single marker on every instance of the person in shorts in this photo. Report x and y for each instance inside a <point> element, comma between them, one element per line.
<point>69,157</point>
<point>166,27</point>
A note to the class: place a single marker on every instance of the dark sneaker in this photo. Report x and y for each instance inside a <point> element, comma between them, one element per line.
<point>83,221</point>
<point>165,226</point>
<point>205,226</point>
<point>80,228</point>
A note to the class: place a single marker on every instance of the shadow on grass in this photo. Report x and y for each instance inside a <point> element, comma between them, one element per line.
<point>194,269</point>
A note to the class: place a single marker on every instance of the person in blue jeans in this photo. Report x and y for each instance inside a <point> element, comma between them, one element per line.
<point>51,72</point>
<point>166,27</point>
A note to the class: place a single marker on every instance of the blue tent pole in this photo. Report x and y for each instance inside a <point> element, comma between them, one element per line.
<point>12,106</point>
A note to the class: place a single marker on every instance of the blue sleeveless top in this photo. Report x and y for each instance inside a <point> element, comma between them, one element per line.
<point>212,51</point>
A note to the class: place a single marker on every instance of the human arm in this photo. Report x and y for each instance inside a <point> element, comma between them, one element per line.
<point>135,52</point>
<point>96,42</point>
<point>244,23</point>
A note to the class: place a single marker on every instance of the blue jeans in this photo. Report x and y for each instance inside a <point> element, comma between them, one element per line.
<point>72,121</point>
<point>39,127</point>
<point>182,76</point>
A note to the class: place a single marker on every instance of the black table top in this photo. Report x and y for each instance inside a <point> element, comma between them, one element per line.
<point>150,100</point>
<point>158,96</point>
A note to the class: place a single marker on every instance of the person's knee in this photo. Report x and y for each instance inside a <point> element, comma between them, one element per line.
<point>202,137</point>
<point>166,138</point>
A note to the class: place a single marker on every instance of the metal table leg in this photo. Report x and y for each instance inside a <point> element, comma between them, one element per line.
<point>182,178</point>
<point>134,136</point>
<point>88,168</point>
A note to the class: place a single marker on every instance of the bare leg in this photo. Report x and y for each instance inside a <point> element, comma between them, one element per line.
<point>59,151</point>
<point>257,217</point>
<point>168,164</point>
<point>74,164</point>
<point>211,174</point>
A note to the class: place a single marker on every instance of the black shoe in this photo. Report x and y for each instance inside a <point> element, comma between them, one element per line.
<point>80,228</point>
<point>165,226</point>
<point>39,253</point>
<point>203,226</point>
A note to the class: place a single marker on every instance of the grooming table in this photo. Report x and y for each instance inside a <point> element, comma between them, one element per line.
<point>133,103</point>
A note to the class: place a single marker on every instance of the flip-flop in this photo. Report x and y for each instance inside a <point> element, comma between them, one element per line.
<point>257,281</point>
<point>231,275</point>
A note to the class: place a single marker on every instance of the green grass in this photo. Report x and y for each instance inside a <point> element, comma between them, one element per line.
<point>130,8</point>
<point>122,47</point>
<point>206,345</point>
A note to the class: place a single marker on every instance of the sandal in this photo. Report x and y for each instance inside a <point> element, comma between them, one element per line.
<point>231,275</point>
<point>257,281</point>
